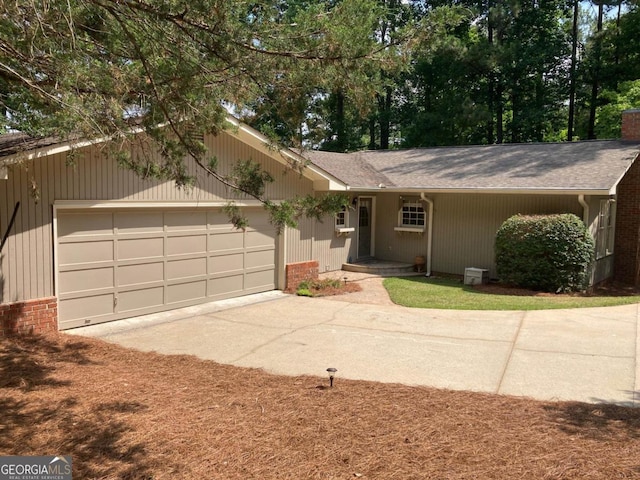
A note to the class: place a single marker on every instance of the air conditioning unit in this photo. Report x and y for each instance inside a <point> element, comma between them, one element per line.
<point>475,276</point>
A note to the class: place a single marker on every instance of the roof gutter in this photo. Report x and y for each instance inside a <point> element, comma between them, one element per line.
<point>502,191</point>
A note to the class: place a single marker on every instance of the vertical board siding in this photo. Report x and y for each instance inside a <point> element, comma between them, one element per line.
<point>317,240</point>
<point>26,262</point>
<point>331,250</point>
<point>464,226</point>
<point>392,245</point>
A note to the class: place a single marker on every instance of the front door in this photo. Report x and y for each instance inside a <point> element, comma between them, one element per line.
<point>365,221</point>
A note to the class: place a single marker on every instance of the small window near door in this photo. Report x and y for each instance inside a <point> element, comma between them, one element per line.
<point>605,233</point>
<point>342,218</point>
<point>411,215</point>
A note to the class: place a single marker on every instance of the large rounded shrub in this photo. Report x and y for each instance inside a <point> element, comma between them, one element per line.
<point>544,252</point>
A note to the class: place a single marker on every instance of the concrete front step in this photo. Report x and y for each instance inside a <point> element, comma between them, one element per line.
<point>380,268</point>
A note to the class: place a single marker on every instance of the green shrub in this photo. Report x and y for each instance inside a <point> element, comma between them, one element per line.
<point>544,252</point>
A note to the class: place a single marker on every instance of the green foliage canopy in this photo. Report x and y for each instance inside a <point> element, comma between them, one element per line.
<point>164,72</point>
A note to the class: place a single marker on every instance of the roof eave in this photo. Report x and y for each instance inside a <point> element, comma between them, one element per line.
<point>322,180</point>
<point>49,150</point>
<point>492,190</point>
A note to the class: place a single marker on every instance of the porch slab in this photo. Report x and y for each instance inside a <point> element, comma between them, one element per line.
<point>381,267</point>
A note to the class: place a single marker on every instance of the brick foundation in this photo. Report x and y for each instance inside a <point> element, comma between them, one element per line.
<point>299,272</point>
<point>31,316</point>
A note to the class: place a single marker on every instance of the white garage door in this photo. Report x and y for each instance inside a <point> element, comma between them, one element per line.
<point>114,264</point>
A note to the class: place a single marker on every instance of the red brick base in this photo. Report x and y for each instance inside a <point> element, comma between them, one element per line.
<point>299,272</point>
<point>31,316</point>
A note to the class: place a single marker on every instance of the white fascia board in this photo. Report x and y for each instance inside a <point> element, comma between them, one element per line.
<point>322,180</point>
<point>57,148</point>
<point>4,172</point>
<point>49,150</point>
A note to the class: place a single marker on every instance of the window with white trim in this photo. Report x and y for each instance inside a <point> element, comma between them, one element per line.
<point>342,218</point>
<point>411,215</point>
<point>605,232</point>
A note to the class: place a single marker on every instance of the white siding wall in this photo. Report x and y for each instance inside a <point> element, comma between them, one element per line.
<point>26,262</point>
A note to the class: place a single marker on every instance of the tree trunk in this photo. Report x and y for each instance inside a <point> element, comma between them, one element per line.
<point>591,132</point>
<point>490,77</point>
<point>372,133</point>
<point>341,144</point>
<point>499,114</point>
<point>572,73</point>
<point>385,118</point>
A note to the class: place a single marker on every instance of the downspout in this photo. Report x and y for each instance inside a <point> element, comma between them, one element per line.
<point>585,210</point>
<point>424,198</point>
<point>585,219</point>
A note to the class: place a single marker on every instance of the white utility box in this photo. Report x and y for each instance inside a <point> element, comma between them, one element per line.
<point>475,276</point>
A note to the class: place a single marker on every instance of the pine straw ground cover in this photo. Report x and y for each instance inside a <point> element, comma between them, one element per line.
<point>123,414</point>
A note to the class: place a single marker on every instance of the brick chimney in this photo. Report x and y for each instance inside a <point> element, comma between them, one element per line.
<point>631,124</point>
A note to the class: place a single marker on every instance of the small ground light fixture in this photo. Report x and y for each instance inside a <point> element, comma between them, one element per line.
<point>345,280</point>
<point>332,373</point>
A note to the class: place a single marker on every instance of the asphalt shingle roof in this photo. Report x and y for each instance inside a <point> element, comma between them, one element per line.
<point>11,143</point>
<point>588,165</point>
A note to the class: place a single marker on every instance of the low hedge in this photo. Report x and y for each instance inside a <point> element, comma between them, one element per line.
<point>551,253</point>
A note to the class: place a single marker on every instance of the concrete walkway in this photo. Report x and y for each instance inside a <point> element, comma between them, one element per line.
<point>583,354</point>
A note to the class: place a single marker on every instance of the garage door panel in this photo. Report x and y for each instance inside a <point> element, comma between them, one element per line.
<point>140,248</point>
<point>140,299</point>
<point>186,244</point>
<point>226,263</point>
<point>87,279</point>
<point>217,219</point>
<point>185,220</point>
<point>85,308</point>
<point>260,279</point>
<point>257,218</point>
<point>78,253</point>
<point>226,286</point>
<point>259,239</point>
<point>259,258</point>
<point>222,242</point>
<point>121,263</point>
<point>186,268</point>
<point>183,292</point>
<point>137,274</point>
<point>139,222</point>
<point>85,224</point>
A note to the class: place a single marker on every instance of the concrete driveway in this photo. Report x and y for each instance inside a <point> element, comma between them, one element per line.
<point>583,354</point>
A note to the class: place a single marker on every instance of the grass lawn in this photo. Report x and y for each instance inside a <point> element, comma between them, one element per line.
<point>123,414</point>
<point>446,293</point>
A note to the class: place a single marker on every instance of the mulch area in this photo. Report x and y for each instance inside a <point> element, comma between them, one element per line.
<point>123,414</point>
<point>607,290</point>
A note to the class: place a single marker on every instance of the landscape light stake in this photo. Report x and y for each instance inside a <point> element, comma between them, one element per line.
<point>345,280</point>
<point>332,372</point>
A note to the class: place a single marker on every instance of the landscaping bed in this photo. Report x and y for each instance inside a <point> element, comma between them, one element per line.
<point>126,414</point>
